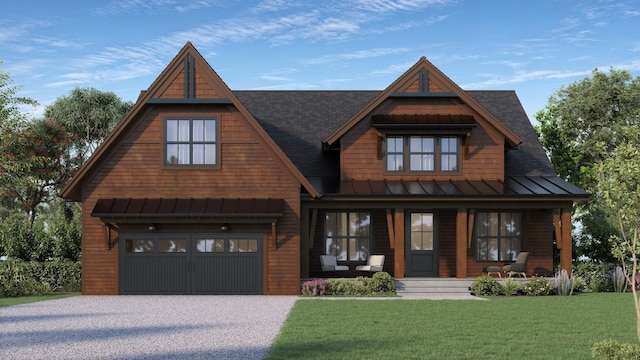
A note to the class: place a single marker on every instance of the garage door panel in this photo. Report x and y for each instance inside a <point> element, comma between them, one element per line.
<point>207,264</point>
<point>228,274</point>
<point>155,275</point>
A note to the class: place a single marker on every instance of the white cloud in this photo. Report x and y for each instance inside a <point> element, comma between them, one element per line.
<point>383,6</point>
<point>393,69</point>
<point>63,83</point>
<point>520,77</point>
<point>356,55</point>
<point>118,7</point>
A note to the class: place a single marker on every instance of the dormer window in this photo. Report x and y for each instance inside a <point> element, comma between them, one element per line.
<point>422,143</point>
<point>422,153</point>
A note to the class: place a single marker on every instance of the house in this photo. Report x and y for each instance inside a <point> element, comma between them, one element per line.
<point>204,190</point>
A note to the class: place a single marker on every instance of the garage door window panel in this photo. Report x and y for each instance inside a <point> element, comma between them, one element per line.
<point>172,245</point>
<point>243,245</point>
<point>139,245</point>
<point>210,245</point>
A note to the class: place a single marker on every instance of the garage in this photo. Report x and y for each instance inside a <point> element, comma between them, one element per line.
<point>190,264</point>
<point>165,247</point>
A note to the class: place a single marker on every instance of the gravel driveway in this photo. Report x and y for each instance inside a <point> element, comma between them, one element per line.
<point>143,327</point>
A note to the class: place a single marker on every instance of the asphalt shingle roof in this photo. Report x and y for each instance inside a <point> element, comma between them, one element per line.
<point>298,121</point>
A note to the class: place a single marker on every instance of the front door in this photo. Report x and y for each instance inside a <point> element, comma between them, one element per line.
<point>421,244</point>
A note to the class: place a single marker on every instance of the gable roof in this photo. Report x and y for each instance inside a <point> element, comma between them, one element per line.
<point>416,72</point>
<point>299,121</point>
<point>73,189</point>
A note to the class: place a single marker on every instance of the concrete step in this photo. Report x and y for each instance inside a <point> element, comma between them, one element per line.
<point>433,285</point>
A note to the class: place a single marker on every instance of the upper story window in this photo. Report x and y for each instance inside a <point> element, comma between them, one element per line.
<point>191,142</point>
<point>422,153</point>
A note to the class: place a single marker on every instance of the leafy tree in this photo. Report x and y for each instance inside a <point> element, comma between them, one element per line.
<point>10,104</point>
<point>619,188</point>
<point>594,111</point>
<point>90,113</point>
<point>35,162</point>
<point>64,229</point>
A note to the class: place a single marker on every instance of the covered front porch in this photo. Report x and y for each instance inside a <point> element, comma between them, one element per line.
<point>422,235</point>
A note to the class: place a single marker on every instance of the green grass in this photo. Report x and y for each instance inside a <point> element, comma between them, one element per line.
<point>30,299</point>
<point>550,327</point>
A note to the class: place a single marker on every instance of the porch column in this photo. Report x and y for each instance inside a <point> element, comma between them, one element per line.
<point>304,242</point>
<point>398,254</point>
<point>566,254</point>
<point>461,243</point>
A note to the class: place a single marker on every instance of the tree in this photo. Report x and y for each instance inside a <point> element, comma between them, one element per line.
<point>619,188</point>
<point>35,162</point>
<point>90,113</point>
<point>10,113</point>
<point>594,111</point>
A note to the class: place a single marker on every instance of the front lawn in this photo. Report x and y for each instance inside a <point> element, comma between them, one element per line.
<point>549,327</point>
<point>30,299</point>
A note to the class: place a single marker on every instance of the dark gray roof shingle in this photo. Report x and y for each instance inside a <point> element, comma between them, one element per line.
<point>298,121</point>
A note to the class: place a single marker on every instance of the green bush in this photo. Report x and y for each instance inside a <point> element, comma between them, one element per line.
<point>537,286</point>
<point>511,287</point>
<point>485,285</point>
<point>381,282</point>
<point>613,350</point>
<point>595,275</point>
<point>22,278</point>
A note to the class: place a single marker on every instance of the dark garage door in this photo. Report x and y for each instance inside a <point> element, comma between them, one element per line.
<point>190,264</point>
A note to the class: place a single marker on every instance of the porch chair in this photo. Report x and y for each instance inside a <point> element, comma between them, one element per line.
<point>519,267</point>
<point>374,264</point>
<point>330,263</point>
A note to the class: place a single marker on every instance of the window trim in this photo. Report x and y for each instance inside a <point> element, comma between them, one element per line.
<point>500,237</point>
<point>348,237</point>
<point>191,142</point>
<point>437,153</point>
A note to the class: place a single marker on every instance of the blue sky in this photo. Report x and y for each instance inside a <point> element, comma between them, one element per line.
<point>533,47</point>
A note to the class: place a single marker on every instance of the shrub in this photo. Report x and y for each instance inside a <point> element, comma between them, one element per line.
<point>485,285</point>
<point>537,286</point>
<point>340,286</point>
<point>579,284</point>
<point>21,278</point>
<point>613,350</point>
<point>510,287</point>
<point>316,287</point>
<point>619,280</point>
<point>595,275</point>
<point>563,284</point>
<point>381,282</point>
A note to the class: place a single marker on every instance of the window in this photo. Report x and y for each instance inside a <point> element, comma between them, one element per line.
<point>499,236</point>
<point>178,245</point>
<point>191,142</point>
<point>243,245</point>
<point>422,153</point>
<point>210,245</point>
<point>422,231</point>
<point>139,245</point>
<point>348,235</point>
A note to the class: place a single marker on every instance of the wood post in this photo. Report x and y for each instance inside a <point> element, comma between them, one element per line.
<point>461,243</point>
<point>566,255</point>
<point>399,263</point>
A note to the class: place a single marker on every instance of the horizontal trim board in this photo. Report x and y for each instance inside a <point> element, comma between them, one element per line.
<point>190,101</point>
<point>423,94</point>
